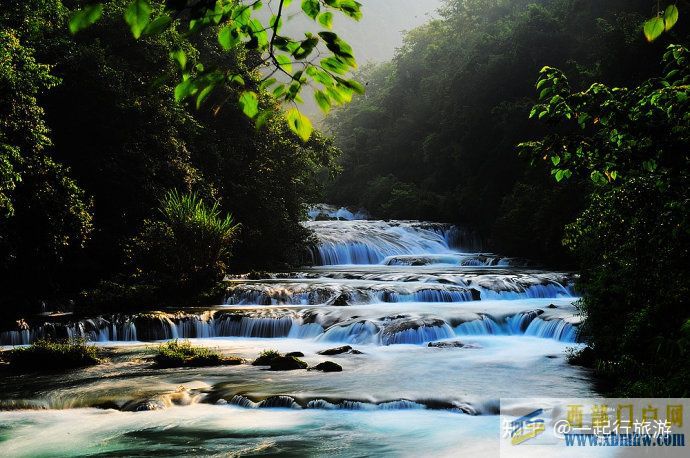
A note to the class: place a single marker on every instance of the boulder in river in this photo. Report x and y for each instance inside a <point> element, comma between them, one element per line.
<point>341,300</point>
<point>287,363</point>
<point>328,366</point>
<point>451,344</point>
<point>339,351</point>
<point>266,357</point>
<point>296,354</point>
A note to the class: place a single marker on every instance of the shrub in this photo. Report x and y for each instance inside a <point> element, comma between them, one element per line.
<point>184,354</point>
<point>46,355</point>
<point>266,357</point>
<point>188,247</point>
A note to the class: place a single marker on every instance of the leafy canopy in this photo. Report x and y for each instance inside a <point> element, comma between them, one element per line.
<point>301,61</point>
<point>610,132</point>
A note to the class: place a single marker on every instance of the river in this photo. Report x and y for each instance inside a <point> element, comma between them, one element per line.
<point>441,331</point>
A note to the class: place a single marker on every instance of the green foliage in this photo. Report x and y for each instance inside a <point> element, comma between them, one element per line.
<point>632,240</point>
<point>45,215</point>
<point>188,247</point>
<point>266,357</point>
<point>21,126</point>
<point>443,118</point>
<point>236,26</point>
<point>184,354</point>
<point>610,134</point>
<point>663,22</point>
<point>138,15</point>
<point>48,355</point>
<point>76,195</point>
<point>85,17</point>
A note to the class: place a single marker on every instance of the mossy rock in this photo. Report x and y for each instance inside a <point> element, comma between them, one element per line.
<point>46,355</point>
<point>287,363</point>
<point>184,354</point>
<point>266,357</point>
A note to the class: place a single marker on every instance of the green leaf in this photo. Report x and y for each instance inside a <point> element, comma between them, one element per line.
<point>262,118</point>
<point>84,17</point>
<point>545,93</point>
<point>158,25</point>
<point>180,57</point>
<point>203,94</point>
<point>259,32</point>
<point>320,75</point>
<point>653,28</point>
<point>650,165</point>
<point>559,175</point>
<point>598,177</point>
<point>556,160</point>
<point>137,16</point>
<point>299,124</point>
<point>323,101</point>
<point>311,8</point>
<point>284,62</point>
<point>249,103</point>
<point>237,79</point>
<point>334,65</point>
<point>351,84</point>
<point>670,17</point>
<point>184,89</point>
<point>326,20</point>
<point>228,37</point>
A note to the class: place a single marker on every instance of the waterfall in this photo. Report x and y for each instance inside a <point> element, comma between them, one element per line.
<point>370,242</point>
<point>401,330</point>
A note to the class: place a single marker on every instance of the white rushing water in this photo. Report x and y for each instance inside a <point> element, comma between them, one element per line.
<point>441,331</point>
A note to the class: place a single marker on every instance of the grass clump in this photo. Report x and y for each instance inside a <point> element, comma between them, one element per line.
<point>48,355</point>
<point>266,357</point>
<point>184,354</point>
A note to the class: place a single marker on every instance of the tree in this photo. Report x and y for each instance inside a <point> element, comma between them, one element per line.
<point>444,116</point>
<point>44,213</point>
<point>111,141</point>
<point>632,240</point>
<point>297,59</point>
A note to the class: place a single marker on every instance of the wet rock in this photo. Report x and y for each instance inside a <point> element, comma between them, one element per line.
<point>328,366</point>
<point>295,354</point>
<point>281,402</point>
<point>287,363</point>
<point>451,344</point>
<point>266,358</point>
<point>341,300</point>
<point>258,275</point>
<point>476,295</point>
<point>551,306</point>
<point>339,351</point>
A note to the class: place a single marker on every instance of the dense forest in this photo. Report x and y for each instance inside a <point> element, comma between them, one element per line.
<point>588,170</point>
<point>435,136</point>
<point>93,143</point>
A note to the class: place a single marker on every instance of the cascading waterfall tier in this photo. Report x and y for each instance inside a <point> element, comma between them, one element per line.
<point>326,325</point>
<point>348,288</point>
<point>372,242</point>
